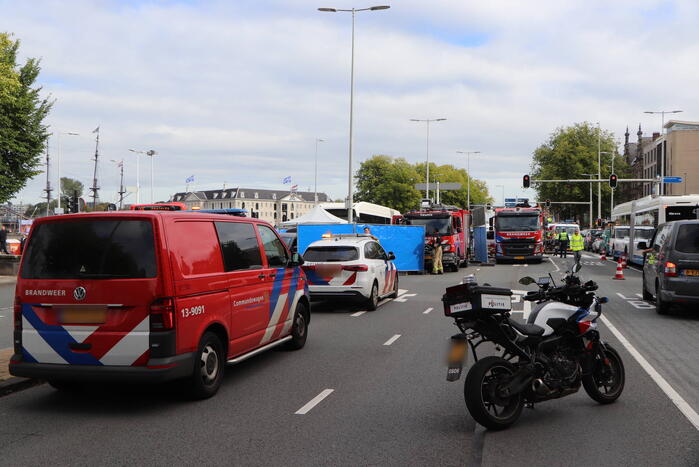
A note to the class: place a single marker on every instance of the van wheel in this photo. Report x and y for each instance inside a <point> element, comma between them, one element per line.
<point>209,366</point>
<point>299,330</point>
<point>373,301</point>
<point>661,307</point>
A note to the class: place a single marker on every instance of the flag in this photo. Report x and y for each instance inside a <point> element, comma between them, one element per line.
<point>294,187</point>
<point>189,179</point>
<point>96,130</point>
<point>120,164</point>
<point>286,180</point>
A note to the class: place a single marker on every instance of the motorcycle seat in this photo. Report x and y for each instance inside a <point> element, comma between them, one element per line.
<point>527,329</point>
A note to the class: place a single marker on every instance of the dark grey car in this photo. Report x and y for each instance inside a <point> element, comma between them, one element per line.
<point>671,265</point>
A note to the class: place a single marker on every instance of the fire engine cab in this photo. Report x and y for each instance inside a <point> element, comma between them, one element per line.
<point>447,224</point>
<point>519,234</point>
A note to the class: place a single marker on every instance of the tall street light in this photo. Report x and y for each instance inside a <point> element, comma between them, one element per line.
<point>599,171</point>
<point>468,173</point>
<point>350,194</point>
<point>503,193</point>
<point>662,145</point>
<point>315,196</point>
<point>58,171</point>
<point>590,175</point>
<point>427,170</point>
<point>611,200</point>
<point>150,153</point>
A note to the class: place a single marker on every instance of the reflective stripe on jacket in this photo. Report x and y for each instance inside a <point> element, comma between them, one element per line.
<point>577,242</point>
<point>562,236</point>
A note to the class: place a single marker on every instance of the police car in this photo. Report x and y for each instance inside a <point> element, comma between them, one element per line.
<point>351,266</point>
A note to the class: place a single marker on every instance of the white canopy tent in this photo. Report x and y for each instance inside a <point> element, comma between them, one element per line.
<point>317,215</point>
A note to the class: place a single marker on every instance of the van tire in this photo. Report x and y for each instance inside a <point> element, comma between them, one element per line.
<point>647,296</point>
<point>209,366</point>
<point>661,307</point>
<point>299,328</point>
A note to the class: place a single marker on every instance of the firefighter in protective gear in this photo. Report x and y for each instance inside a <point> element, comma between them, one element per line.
<point>437,267</point>
<point>563,239</point>
<point>577,243</point>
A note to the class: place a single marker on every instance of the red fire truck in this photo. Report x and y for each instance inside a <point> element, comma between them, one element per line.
<point>519,234</point>
<point>451,224</point>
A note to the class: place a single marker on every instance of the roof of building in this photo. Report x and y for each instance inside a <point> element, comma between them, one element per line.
<point>682,125</point>
<point>248,194</point>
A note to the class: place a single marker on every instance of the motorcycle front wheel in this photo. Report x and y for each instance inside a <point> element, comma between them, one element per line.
<point>606,381</point>
<point>484,399</point>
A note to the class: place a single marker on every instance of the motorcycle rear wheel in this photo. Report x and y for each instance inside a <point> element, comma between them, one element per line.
<point>483,401</point>
<point>606,382</point>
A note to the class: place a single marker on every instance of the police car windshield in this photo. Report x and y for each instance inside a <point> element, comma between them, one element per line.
<point>91,249</point>
<point>321,254</point>
<point>443,226</point>
<point>517,223</point>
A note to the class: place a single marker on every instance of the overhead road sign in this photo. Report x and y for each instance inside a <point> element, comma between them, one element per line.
<point>672,179</point>
<point>446,186</point>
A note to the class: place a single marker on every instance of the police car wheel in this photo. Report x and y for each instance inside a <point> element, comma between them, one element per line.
<point>373,301</point>
<point>299,329</point>
<point>209,366</point>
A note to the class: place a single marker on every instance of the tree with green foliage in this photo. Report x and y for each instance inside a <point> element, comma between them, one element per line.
<point>69,186</point>
<point>23,135</point>
<point>569,153</point>
<point>391,182</point>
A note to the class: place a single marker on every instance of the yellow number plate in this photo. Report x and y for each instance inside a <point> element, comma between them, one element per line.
<point>457,352</point>
<point>691,272</point>
<point>519,257</point>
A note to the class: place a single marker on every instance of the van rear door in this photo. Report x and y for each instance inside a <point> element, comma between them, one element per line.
<point>85,288</point>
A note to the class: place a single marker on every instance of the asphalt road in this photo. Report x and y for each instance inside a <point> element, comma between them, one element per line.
<point>387,400</point>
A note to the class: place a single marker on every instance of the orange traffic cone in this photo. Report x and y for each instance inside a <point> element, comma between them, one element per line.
<point>624,265</point>
<point>604,255</point>
<point>619,271</point>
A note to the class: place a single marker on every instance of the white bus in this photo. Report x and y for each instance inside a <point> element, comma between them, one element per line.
<point>646,214</point>
<point>362,212</point>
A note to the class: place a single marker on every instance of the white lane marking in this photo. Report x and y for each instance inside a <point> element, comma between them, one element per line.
<point>383,302</point>
<point>669,391</point>
<point>639,295</point>
<point>526,265</point>
<point>527,310</point>
<point>555,265</point>
<point>516,265</point>
<point>401,291</point>
<point>478,269</point>
<point>427,311</point>
<point>392,340</point>
<point>404,297</point>
<point>313,402</point>
<point>359,313</point>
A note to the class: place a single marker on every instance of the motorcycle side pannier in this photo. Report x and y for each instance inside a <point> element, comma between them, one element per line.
<point>466,300</point>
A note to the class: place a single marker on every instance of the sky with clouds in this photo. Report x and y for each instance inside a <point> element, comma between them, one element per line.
<point>237,92</point>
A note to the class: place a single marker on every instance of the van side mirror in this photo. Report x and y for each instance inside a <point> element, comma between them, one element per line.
<point>391,256</point>
<point>296,260</point>
<point>642,245</point>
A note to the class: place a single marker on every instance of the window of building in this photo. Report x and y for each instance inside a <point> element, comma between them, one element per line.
<point>274,196</point>
<point>257,195</point>
<point>242,194</point>
<point>243,205</point>
<point>257,205</point>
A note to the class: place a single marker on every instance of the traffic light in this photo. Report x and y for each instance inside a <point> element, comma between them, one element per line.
<point>548,203</point>
<point>73,206</point>
<point>525,181</point>
<point>613,179</point>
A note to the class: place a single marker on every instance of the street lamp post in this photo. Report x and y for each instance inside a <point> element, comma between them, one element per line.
<point>590,175</point>
<point>151,154</point>
<point>427,170</point>
<point>468,174</point>
<point>350,194</point>
<point>611,199</point>
<point>58,167</point>
<point>662,144</point>
<point>599,171</point>
<point>315,195</point>
<point>503,193</point>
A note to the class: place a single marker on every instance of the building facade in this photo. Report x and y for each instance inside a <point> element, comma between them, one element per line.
<point>681,145</point>
<point>273,206</point>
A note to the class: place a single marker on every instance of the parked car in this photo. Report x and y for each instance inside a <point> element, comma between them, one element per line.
<point>671,266</point>
<point>598,245</point>
<point>590,236</point>
<point>152,296</point>
<point>351,265</point>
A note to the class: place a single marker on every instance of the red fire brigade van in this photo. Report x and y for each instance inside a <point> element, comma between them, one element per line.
<point>151,296</point>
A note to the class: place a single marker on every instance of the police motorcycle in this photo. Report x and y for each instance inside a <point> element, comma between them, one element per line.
<point>551,356</point>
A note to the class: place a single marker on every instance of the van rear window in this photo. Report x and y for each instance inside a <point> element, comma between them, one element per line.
<point>688,239</point>
<point>331,253</point>
<point>91,249</point>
